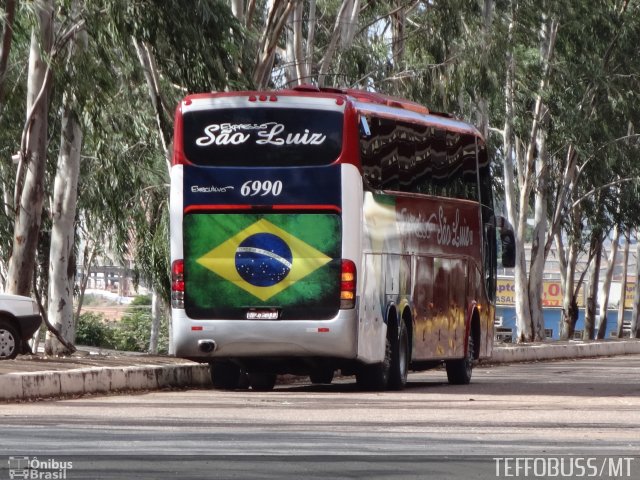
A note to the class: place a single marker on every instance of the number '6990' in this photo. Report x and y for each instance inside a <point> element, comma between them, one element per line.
<point>253,188</point>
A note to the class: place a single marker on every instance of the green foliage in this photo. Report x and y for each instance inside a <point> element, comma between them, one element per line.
<point>130,334</point>
<point>141,300</point>
<point>93,330</point>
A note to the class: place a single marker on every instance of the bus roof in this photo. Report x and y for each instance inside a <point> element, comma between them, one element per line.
<point>362,101</point>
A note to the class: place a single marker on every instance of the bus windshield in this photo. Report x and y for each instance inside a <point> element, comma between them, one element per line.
<point>262,137</point>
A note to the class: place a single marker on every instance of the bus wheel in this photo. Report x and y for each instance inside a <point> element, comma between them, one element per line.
<point>376,376</point>
<point>399,359</point>
<point>321,375</point>
<point>262,382</point>
<point>225,375</point>
<point>459,371</point>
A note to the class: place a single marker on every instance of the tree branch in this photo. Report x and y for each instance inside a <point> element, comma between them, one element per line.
<point>603,187</point>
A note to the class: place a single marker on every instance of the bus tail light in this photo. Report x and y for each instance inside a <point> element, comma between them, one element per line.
<point>348,285</point>
<point>177,284</point>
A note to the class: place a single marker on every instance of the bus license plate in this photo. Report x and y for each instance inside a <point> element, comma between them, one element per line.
<point>262,315</point>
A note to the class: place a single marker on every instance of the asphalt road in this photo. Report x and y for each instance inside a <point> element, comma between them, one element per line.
<point>580,408</point>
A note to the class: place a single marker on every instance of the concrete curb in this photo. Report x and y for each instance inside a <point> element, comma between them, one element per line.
<point>59,383</point>
<point>560,351</point>
<point>46,384</point>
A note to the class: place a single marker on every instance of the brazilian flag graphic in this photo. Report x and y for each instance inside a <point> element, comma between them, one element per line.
<point>236,262</point>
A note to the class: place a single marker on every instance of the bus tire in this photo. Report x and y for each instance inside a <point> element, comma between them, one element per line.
<point>399,367</point>
<point>459,371</point>
<point>321,376</point>
<point>224,375</point>
<point>262,382</point>
<point>375,376</point>
<point>10,341</point>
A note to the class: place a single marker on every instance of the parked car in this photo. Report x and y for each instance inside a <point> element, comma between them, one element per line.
<point>19,320</point>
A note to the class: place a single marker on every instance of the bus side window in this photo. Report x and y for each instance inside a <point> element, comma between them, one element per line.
<point>379,155</point>
<point>439,179</point>
<point>371,169</point>
<point>469,175</point>
<point>388,154</point>
<point>488,219</point>
<point>407,158</point>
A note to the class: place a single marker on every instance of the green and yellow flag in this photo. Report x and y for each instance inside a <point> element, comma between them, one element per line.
<point>238,261</point>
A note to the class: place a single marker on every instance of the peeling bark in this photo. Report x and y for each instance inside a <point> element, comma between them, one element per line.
<point>343,29</point>
<point>29,195</point>
<point>635,323</point>
<point>606,286</point>
<point>623,287</point>
<point>62,261</point>
<point>5,45</point>
<point>592,297</point>
<point>276,20</point>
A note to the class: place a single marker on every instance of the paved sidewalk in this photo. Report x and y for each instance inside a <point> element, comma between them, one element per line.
<point>31,377</point>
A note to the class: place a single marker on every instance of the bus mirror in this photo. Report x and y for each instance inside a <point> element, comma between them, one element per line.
<point>508,240</point>
<point>365,131</point>
<point>508,249</point>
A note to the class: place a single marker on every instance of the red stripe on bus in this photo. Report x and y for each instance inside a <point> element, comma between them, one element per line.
<point>197,208</point>
<point>308,207</point>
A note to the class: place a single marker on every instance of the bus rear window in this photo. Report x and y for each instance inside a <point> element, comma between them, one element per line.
<point>252,137</point>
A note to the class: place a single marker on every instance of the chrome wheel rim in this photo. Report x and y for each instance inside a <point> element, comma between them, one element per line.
<point>7,343</point>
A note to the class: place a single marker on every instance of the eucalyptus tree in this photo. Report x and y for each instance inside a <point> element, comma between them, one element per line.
<point>29,184</point>
<point>597,81</point>
<point>176,56</point>
<point>62,265</point>
<point>14,49</point>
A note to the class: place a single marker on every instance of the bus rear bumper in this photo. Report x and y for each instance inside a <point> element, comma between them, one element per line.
<point>208,340</point>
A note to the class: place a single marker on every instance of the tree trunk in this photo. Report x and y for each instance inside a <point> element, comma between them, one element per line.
<point>62,258</point>
<point>509,172</point>
<point>237,8</point>
<point>536,271</point>
<point>510,192</point>
<point>148,64</point>
<point>635,323</point>
<point>87,260</point>
<point>523,309</point>
<point>33,156</point>
<point>592,298</point>
<point>290,66</point>
<point>302,73</point>
<point>311,39</point>
<point>398,19</point>
<point>569,299</point>
<point>5,45</point>
<point>623,287</point>
<point>343,29</point>
<point>277,16</point>
<point>62,262</point>
<point>156,318</point>
<point>606,286</point>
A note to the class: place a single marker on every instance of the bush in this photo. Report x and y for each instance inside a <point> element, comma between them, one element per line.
<point>131,334</point>
<point>93,330</point>
<point>141,300</point>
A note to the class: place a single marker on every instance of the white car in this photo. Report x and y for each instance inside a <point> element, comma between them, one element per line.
<point>19,320</point>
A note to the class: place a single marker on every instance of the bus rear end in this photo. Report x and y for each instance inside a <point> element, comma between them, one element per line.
<point>263,278</point>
